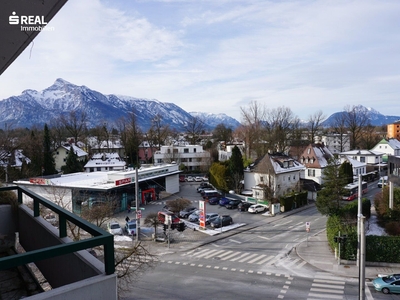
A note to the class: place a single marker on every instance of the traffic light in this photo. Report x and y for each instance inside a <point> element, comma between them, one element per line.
<point>181,226</point>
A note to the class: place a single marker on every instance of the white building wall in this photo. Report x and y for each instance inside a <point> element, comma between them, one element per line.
<point>172,184</point>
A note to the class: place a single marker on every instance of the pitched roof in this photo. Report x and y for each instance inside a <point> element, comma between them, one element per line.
<point>105,160</point>
<point>316,156</point>
<point>278,162</point>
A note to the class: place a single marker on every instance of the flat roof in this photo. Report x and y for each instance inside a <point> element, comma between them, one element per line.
<point>103,180</point>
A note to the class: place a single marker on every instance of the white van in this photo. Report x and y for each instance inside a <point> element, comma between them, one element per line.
<point>382,181</point>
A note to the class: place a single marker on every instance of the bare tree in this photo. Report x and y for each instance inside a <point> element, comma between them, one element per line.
<point>158,132</point>
<point>252,120</point>
<point>222,133</point>
<point>314,124</point>
<point>194,128</point>
<point>356,119</point>
<point>339,128</point>
<point>131,137</point>
<point>75,123</point>
<point>280,125</point>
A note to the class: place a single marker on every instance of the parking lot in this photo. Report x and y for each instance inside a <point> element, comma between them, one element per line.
<point>188,190</point>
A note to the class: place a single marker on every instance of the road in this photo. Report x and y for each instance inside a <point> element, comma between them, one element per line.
<point>257,262</point>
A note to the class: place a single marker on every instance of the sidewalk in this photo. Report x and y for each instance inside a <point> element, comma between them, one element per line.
<point>316,252</point>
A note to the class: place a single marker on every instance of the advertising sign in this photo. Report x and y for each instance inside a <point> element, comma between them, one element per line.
<point>202,214</point>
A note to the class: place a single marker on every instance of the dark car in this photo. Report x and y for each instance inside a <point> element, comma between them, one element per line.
<point>184,213</point>
<point>213,200</point>
<point>233,204</point>
<point>244,206</point>
<point>224,201</point>
<point>224,220</point>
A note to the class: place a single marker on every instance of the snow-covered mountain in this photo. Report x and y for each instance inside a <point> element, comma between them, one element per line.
<point>375,117</point>
<point>212,120</point>
<point>40,107</point>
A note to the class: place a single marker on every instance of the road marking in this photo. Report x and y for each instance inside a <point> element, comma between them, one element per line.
<point>230,255</point>
<point>255,259</point>
<point>265,260</point>
<point>300,265</point>
<point>248,257</point>
<point>324,296</point>
<point>327,286</point>
<point>263,237</point>
<point>225,253</point>
<point>208,252</point>
<point>215,253</point>
<point>329,281</point>
<point>239,257</point>
<point>326,290</point>
<point>235,241</point>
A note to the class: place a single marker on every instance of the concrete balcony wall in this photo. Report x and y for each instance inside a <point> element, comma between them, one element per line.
<point>36,233</point>
<point>98,287</point>
<point>7,227</point>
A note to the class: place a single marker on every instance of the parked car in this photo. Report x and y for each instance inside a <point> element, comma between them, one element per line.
<point>181,178</point>
<point>198,179</point>
<point>130,227</point>
<point>186,212</point>
<point>114,228</point>
<point>223,220</point>
<point>210,217</point>
<point>244,206</point>
<point>224,201</point>
<point>387,283</point>
<point>256,208</point>
<point>162,215</point>
<point>203,189</point>
<point>233,203</point>
<point>207,194</point>
<point>194,217</point>
<point>213,201</point>
<point>189,179</point>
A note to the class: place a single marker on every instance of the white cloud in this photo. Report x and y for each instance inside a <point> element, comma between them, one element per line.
<point>216,56</point>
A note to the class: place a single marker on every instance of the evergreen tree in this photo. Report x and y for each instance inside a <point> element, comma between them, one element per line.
<point>236,168</point>
<point>72,165</point>
<point>347,171</point>
<point>329,198</point>
<point>48,159</point>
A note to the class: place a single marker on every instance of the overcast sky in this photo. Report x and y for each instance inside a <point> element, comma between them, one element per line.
<point>217,56</point>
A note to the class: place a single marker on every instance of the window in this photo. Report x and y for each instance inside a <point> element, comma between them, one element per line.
<point>261,178</point>
<point>362,158</point>
<point>185,150</point>
<point>194,150</point>
<point>289,178</point>
<point>98,168</point>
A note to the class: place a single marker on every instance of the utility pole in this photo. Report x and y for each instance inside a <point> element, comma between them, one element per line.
<point>359,214</point>
<point>362,260</point>
<point>137,204</point>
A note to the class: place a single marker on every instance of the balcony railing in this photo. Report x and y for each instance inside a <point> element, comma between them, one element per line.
<point>99,236</point>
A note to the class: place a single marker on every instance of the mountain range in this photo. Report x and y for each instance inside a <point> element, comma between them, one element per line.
<point>35,108</point>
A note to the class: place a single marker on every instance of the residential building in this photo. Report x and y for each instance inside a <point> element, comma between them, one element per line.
<point>105,162</point>
<point>372,159</point>
<point>389,146</point>
<point>225,150</point>
<point>61,153</point>
<point>114,145</point>
<point>193,157</point>
<point>393,131</point>
<point>275,174</point>
<point>358,168</point>
<point>336,143</point>
<point>315,159</point>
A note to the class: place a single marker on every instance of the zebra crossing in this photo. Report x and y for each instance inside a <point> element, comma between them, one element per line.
<point>245,257</point>
<point>326,286</point>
